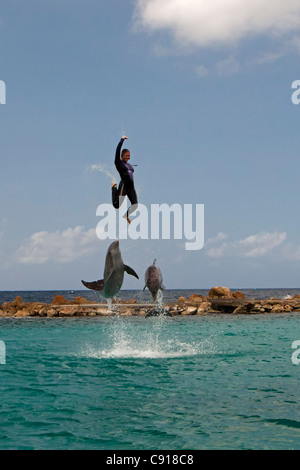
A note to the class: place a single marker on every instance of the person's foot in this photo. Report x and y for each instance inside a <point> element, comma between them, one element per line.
<point>127,218</point>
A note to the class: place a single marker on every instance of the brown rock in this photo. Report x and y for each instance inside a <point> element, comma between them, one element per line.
<point>141,312</point>
<point>281,308</point>
<point>182,300</point>
<point>12,307</point>
<point>8,312</point>
<point>80,300</point>
<point>68,311</point>
<point>175,310</point>
<point>128,312</point>
<point>258,308</point>
<point>18,302</point>
<point>272,301</point>
<point>21,313</point>
<point>238,295</point>
<point>59,300</point>
<point>295,304</point>
<point>42,312</point>
<point>82,313</point>
<point>201,312</point>
<point>102,311</point>
<point>51,312</point>
<point>244,309</point>
<point>34,308</point>
<point>135,311</point>
<point>219,292</point>
<point>203,308</point>
<point>7,306</point>
<point>189,311</point>
<point>196,298</point>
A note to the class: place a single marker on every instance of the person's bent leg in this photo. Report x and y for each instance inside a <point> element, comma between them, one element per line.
<point>134,203</point>
<point>117,195</point>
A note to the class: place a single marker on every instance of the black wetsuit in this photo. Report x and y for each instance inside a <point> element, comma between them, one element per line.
<point>126,186</point>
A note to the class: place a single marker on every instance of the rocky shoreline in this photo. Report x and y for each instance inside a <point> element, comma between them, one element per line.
<point>220,300</point>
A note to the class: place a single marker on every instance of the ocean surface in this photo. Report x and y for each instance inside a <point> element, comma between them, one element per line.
<point>161,383</point>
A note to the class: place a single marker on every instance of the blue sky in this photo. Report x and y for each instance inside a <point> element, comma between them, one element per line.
<point>204,93</point>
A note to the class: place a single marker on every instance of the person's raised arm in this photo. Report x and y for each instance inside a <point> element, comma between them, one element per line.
<point>118,149</point>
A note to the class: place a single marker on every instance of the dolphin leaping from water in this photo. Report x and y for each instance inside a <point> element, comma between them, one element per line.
<point>154,280</point>
<point>113,273</point>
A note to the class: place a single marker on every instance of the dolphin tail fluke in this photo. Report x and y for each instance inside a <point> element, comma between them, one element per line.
<point>95,285</point>
<point>130,271</point>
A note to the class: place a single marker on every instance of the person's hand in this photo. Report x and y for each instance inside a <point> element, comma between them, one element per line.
<point>124,137</point>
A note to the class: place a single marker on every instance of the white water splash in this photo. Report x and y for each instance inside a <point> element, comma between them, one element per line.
<point>149,343</point>
<point>159,299</point>
<point>103,169</point>
<point>152,350</point>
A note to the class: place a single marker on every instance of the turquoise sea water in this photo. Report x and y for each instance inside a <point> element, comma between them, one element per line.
<point>211,382</point>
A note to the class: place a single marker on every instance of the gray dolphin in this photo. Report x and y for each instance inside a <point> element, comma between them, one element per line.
<point>153,280</point>
<point>113,273</point>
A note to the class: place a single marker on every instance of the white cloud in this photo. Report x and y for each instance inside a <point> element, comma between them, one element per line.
<point>295,42</point>
<point>228,66</point>
<point>253,246</point>
<point>261,244</point>
<point>201,71</point>
<point>220,237</point>
<point>214,251</point>
<point>218,22</point>
<point>268,57</point>
<point>59,246</point>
